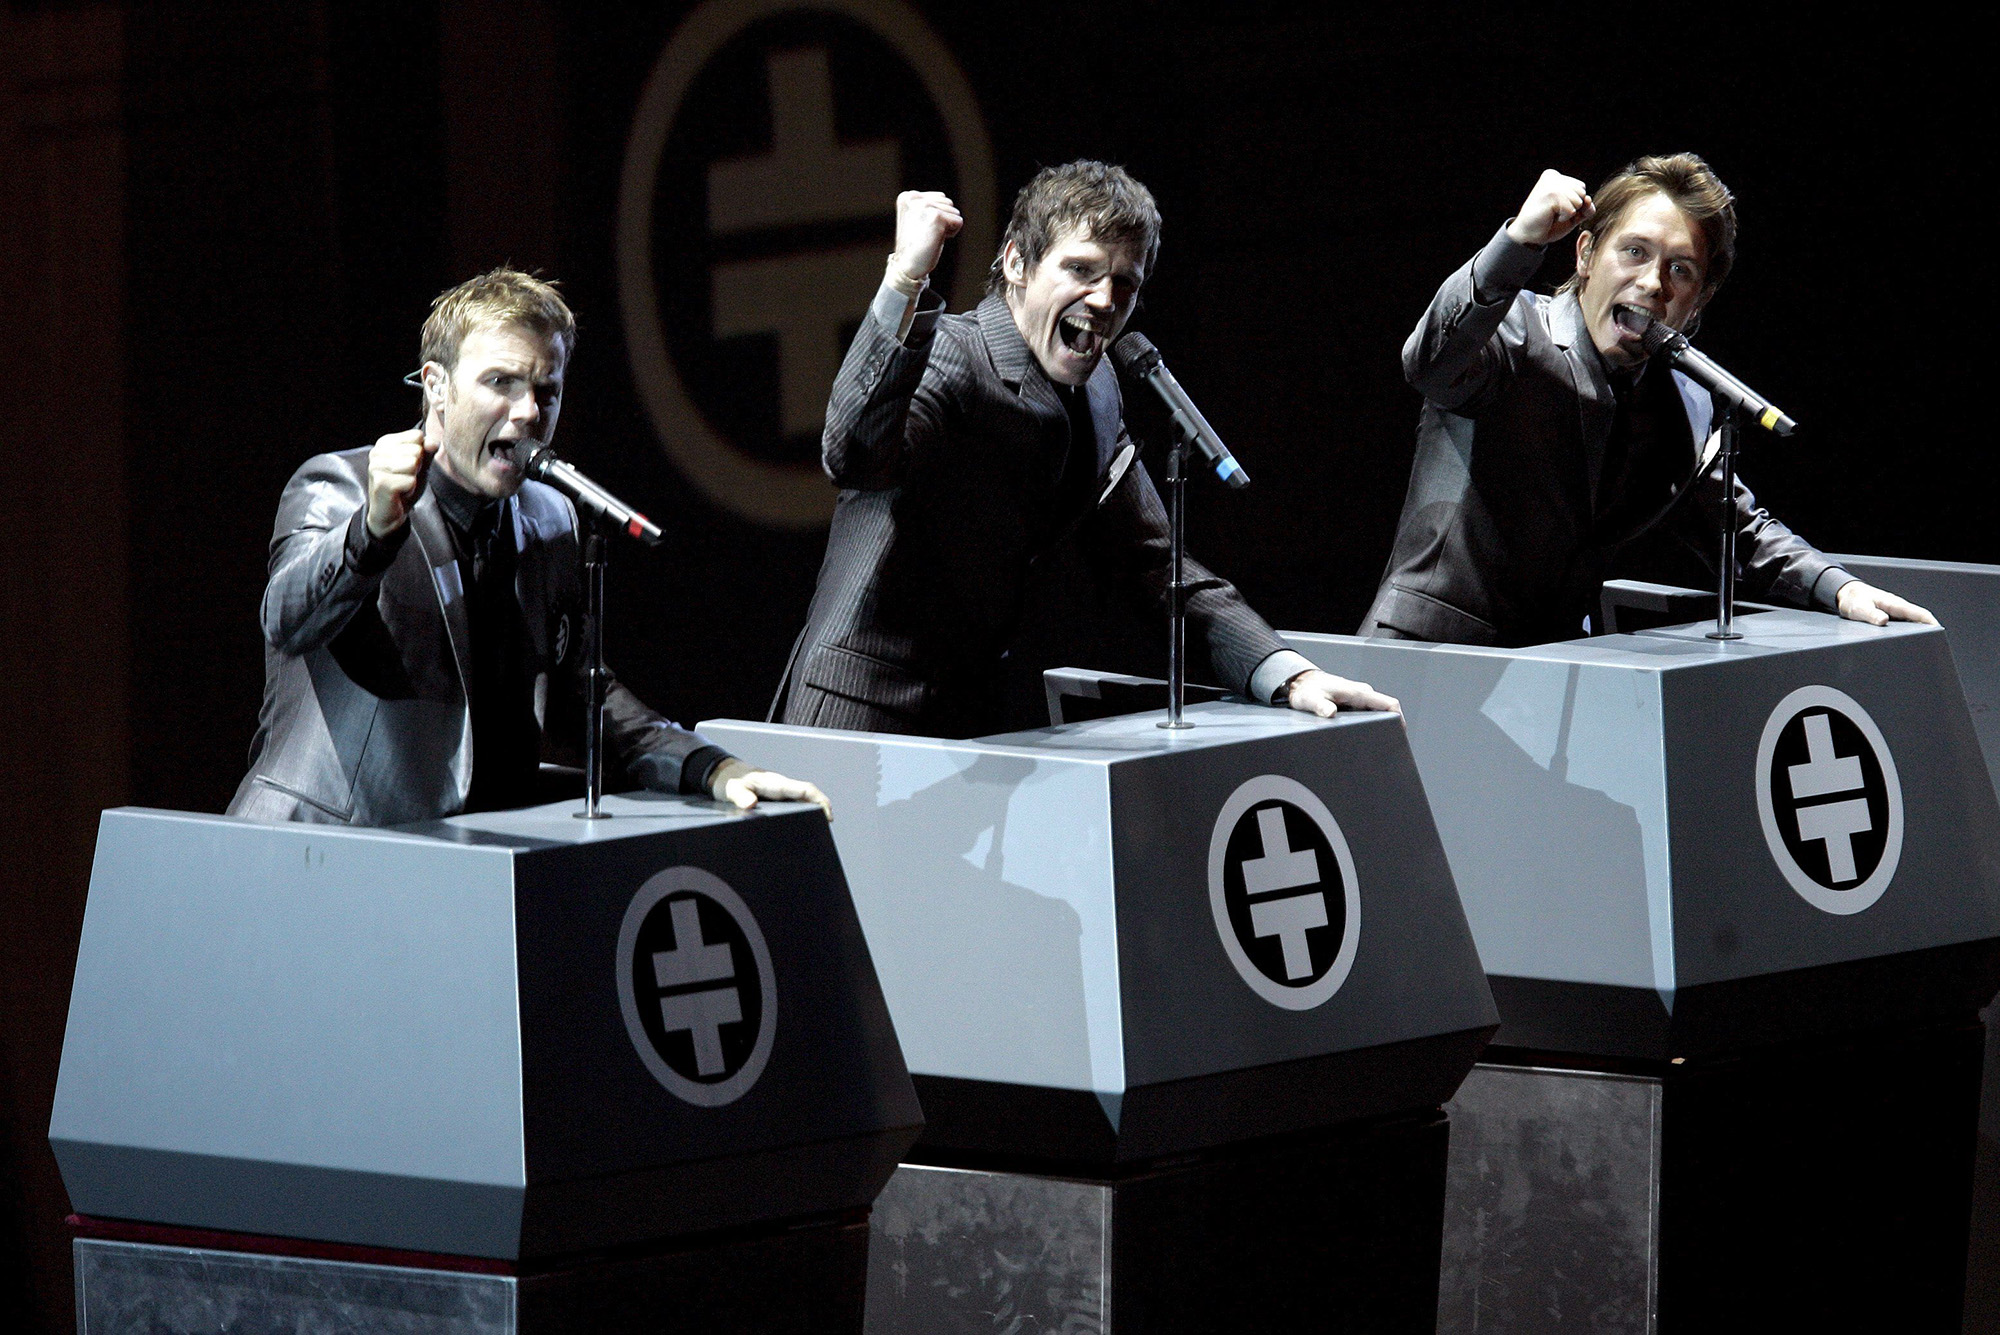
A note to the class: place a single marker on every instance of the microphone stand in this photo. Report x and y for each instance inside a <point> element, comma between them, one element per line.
<point>1177,589</point>
<point>1725,584</point>
<point>595,678</point>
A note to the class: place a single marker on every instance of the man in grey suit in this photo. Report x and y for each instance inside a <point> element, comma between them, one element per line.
<point>966,446</point>
<point>422,623</point>
<point>1546,444</point>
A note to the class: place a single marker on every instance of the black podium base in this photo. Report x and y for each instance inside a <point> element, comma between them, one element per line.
<point>1821,1186</point>
<point>1330,1230</point>
<point>143,1279</point>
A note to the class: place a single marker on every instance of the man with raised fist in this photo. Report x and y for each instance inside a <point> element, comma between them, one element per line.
<point>1546,444</point>
<point>966,446</point>
<point>423,638</point>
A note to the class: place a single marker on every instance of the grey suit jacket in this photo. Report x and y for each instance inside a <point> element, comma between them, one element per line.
<point>947,447</point>
<point>365,720</point>
<point>1504,536</point>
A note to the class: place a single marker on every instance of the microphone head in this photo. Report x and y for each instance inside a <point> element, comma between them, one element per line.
<point>1135,354</point>
<point>532,457</point>
<point>1657,334</point>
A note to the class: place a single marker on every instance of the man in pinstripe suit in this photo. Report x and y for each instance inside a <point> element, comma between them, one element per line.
<point>966,446</point>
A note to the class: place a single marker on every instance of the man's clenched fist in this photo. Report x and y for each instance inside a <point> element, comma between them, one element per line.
<point>1555,207</point>
<point>925,220</point>
<point>396,468</point>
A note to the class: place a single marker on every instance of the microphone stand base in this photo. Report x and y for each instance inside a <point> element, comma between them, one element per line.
<point>1181,726</point>
<point>1725,635</point>
<point>605,815</point>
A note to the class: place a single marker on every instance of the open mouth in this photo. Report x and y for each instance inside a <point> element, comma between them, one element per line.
<point>1633,321</point>
<point>512,455</point>
<point>1081,336</point>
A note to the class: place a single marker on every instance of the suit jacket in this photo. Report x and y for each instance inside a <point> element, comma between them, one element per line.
<point>365,718</point>
<point>1511,520</point>
<point>949,448</point>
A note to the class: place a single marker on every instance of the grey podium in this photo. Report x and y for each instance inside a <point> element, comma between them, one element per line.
<point>1745,899</point>
<point>511,1072</point>
<point>1181,1008</point>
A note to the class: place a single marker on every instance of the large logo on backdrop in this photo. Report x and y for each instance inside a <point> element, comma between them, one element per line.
<point>1282,886</point>
<point>1829,799</point>
<point>756,211</point>
<point>696,986</point>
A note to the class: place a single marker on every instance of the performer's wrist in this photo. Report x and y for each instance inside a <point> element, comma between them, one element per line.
<point>899,279</point>
<point>719,777</point>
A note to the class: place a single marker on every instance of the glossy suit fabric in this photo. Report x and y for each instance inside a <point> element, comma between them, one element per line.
<point>365,718</point>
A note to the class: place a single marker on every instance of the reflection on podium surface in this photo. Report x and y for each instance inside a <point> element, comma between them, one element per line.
<point>1762,878</point>
<point>1181,1008</point>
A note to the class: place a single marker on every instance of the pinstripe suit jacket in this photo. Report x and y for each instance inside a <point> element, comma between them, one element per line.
<point>947,448</point>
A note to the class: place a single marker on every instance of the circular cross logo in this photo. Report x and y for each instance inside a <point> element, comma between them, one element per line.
<point>1281,883</point>
<point>695,983</point>
<point>1829,798</point>
<point>756,210</point>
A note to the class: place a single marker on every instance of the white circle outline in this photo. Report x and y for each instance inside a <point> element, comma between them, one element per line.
<point>795,496</point>
<point>658,886</point>
<point>1276,787</point>
<point>1864,895</point>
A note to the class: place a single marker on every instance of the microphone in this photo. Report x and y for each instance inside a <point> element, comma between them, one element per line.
<point>1135,355</point>
<point>1658,337</point>
<point>546,466</point>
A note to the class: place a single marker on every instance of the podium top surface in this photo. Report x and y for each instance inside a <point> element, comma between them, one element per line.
<point>527,829</point>
<point>1668,649</point>
<point>1107,740</point>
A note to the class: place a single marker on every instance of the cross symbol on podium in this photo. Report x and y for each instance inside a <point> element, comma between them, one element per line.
<point>1833,823</point>
<point>694,960</point>
<point>1284,868</point>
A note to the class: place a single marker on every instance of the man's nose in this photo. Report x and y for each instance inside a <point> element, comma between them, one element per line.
<point>1100,297</point>
<point>526,409</point>
<point>1652,279</point>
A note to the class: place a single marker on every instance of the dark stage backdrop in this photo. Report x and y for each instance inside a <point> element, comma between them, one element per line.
<point>288,184</point>
<point>1319,174</point>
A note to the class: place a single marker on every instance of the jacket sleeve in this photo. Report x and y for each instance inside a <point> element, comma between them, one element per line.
<point>325,565</point>
<point>1127,537</point>
<point>1457,351</point>
<point>884,410</point>
<point>1773,561</point>
<point>653,751</point>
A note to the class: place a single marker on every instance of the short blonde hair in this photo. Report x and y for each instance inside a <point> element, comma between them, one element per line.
<point>495,299</point>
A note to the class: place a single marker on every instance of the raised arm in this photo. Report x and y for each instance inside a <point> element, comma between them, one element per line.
<point>335,534</point>
<point>879,414</point>
<point>1454,354</point>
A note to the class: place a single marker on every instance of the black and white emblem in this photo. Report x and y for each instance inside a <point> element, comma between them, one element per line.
<point>696,986</point>
<point>1281,883</point>
<point>1829,798</point>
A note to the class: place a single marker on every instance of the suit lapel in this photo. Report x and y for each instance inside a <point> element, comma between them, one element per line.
<point>427,525</point>
<point>1012,361</point>
<point>1595,402</point>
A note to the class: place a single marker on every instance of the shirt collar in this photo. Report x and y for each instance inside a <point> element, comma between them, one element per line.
<point>462,506</point>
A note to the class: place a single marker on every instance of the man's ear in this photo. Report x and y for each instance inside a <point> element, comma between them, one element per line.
<point>1585,245</point>
<point>435,379</point>
<point>1013,265</point>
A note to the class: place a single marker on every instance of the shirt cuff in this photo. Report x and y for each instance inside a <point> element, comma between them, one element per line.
<point>368,554</point>
<point>1503,267</point>
<point>910,318</point>
<point>1826,589</point>
<point>1272,674</point>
